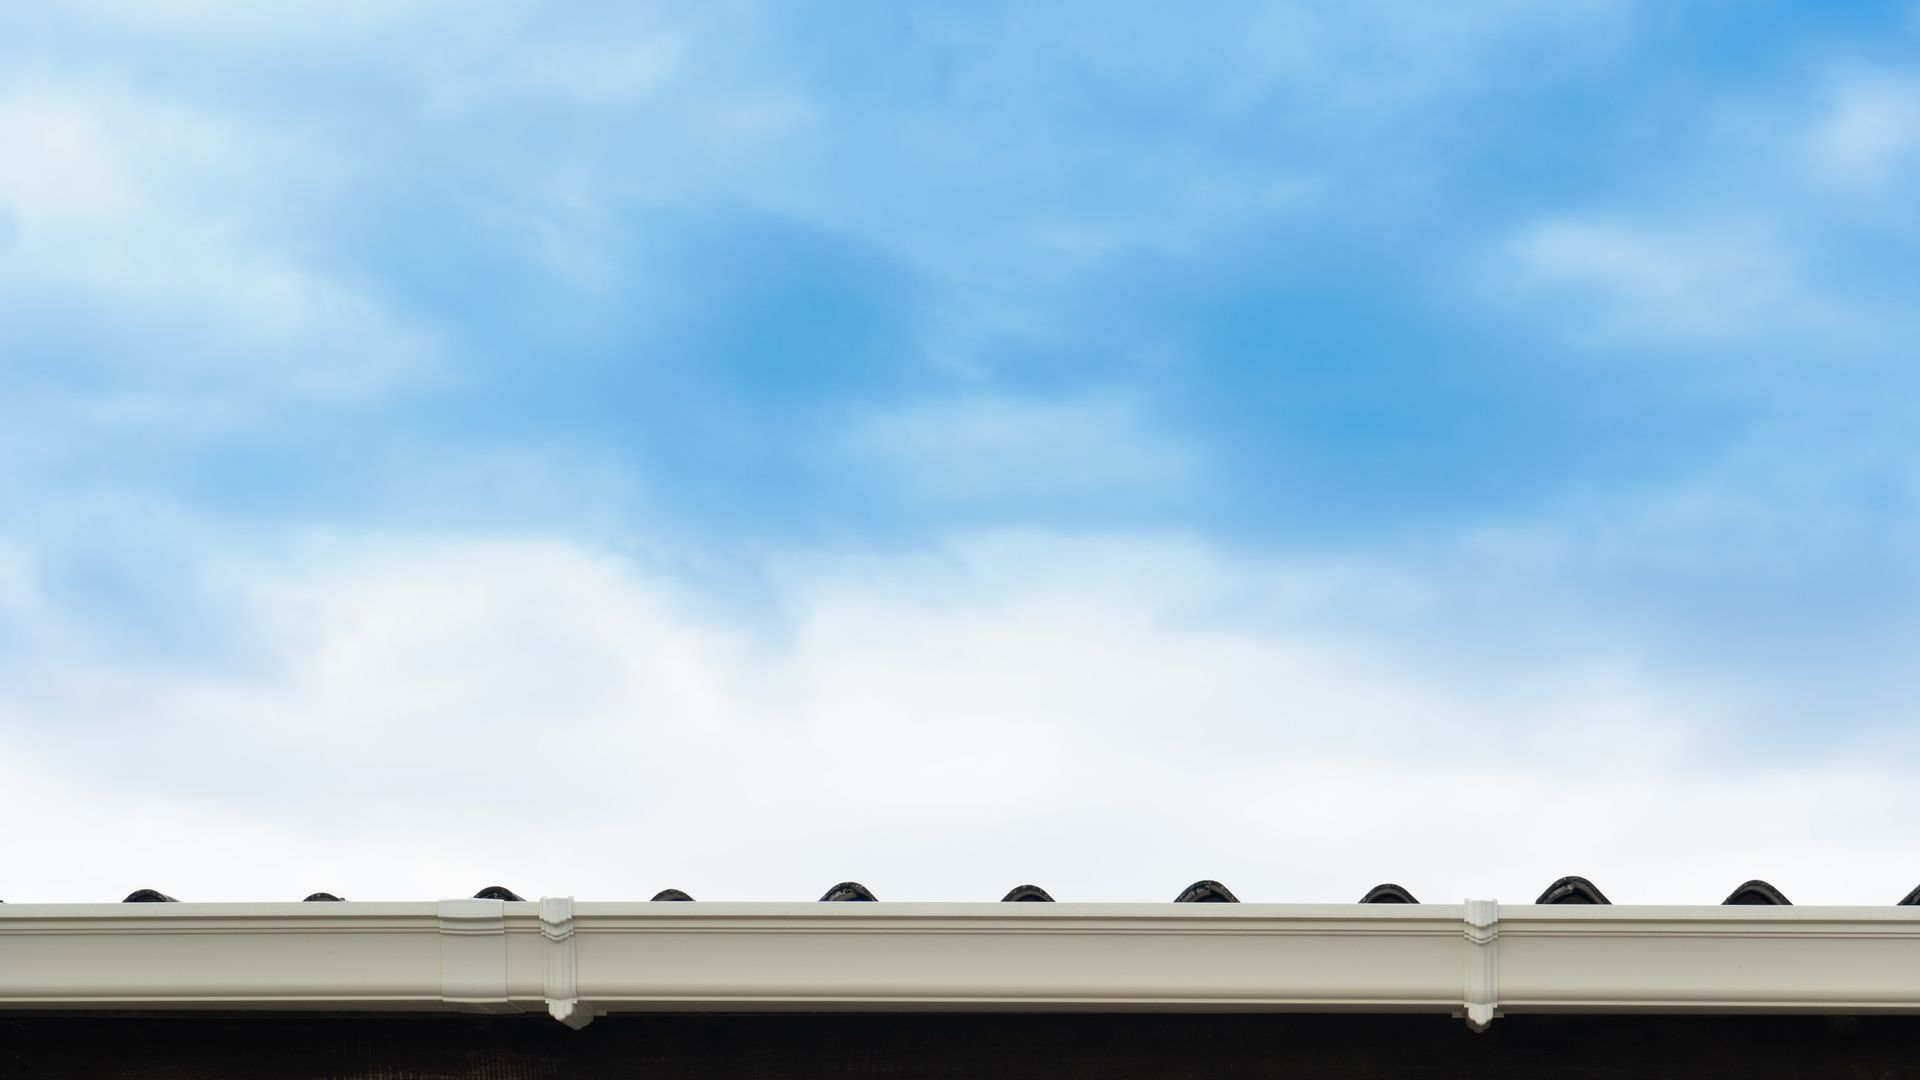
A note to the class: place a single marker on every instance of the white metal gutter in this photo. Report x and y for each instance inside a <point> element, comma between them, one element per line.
<point>578,960</point>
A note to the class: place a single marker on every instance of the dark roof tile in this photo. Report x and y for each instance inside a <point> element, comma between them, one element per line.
<point>1573,890</point>
<point>1206,892</point>
<point>1567,890</point>
<point>1758,893</point>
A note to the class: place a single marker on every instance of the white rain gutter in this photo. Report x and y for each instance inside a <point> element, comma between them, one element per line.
<point>578,960</point>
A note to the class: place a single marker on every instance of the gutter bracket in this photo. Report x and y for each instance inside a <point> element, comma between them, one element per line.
<point>473,956</point>
<point>1482,989</point>
<point>563,973</point>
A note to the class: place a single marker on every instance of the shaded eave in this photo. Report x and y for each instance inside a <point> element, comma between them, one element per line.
<point>578,960</point>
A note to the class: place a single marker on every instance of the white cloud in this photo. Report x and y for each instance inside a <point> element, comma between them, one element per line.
<point>1107,716</point>
<point>444,714</point>
<point>994,180</point>
<point>998,447</point>
<point>287,26</point>
<point>182,230</point>
<point>1374,56</point>
<point>1869,129</point>
<point>1637,279</point>
<point>1766,228</point>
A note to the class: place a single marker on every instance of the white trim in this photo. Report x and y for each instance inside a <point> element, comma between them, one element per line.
<point>559,955</point>
<point>473,955</point>
<point>1483,963</point>
<point>563,964</point>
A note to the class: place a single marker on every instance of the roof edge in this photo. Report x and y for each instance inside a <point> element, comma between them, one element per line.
<point>580,960</point>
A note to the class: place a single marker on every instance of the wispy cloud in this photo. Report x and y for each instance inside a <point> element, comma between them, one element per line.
<point>1869,130</point>
<point>968,448</point>
<point>1012,709</point>
<point>1769,229</point>
<point>1279,423</point>
<point>1638,280</point>
<point>161,242</point>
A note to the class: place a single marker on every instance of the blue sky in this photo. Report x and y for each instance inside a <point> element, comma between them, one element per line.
<point>951,446</point>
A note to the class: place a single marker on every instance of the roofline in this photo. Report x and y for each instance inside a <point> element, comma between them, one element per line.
<point>578,960</point>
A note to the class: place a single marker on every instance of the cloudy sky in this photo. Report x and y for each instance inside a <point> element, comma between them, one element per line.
<point>741,447</point>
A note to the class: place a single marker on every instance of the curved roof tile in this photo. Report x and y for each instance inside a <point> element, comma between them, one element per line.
<point>1758,893</point>
<point>1567,890</point>
<point>1573,890</point>
<point>1206,892</point>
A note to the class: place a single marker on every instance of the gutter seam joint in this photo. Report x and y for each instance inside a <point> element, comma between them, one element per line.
<point>1482,989</point>
<point>563,965</point>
